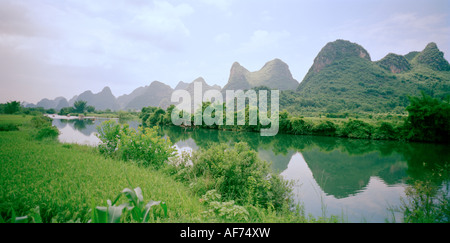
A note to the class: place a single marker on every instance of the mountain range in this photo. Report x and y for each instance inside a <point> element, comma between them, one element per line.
<point>342,78</point>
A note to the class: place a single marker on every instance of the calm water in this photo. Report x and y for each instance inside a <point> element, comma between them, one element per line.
<point>356,179</point>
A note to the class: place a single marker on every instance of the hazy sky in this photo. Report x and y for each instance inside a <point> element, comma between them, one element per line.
<point>51,48</point>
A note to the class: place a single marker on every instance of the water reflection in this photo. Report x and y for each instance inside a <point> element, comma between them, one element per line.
<point>358,179</point>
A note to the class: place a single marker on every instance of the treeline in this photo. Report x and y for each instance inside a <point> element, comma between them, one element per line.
<point>79,108</point>
<point>428,121</point>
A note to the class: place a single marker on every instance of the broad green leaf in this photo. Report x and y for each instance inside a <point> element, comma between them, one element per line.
<point>115,213</point>
<point>101,215</point>
<point>131,195</point>
<point>138,192</point>
<point>148,207</point>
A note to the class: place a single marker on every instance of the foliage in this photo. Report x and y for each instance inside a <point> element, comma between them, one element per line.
<point>424,203</point>
<point>135,207</point>
<point>11,107</point>
<point>41,121</point>
<point>90,109</point>
<point>300,126</point>
<point>236,173</point>
<point>80,106</point>
<point>66,111</point>
<point>225,210</point>
<point>49,132</point>
<point>325,128</point>
<point>386,131</point>
<point>6,127</point>
<point>44,128</point>
<point>428,119</point>
<point>109,135</point>
<point>143,146</point>
<point>356,129</point>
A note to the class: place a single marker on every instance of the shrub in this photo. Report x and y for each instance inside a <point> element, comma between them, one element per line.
<point>238,174</point>
<point>144,146</point>
<point>425,203</point>
<point>6,127</point>
<point>225,210</point>
<point>325,128</point>
<point>385,132</point>
<point>109,135</point>
<point>356,129</point>
<point>428,119</point>
<point>300,126</point>
<point>41,121</point>
<point>50,132</point>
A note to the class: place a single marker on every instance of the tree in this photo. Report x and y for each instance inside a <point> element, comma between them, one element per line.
<point>428,119</point>
<point>65,111</point>
<point>90,109</point>
<point>12,107</point>
<point>80,106</point>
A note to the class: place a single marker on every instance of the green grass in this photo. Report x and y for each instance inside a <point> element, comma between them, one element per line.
<point>65,181</point>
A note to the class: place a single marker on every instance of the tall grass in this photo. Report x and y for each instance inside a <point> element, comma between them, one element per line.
<point>66,180</point>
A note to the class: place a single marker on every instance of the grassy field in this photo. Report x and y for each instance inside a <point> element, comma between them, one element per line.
<point>66,181</point>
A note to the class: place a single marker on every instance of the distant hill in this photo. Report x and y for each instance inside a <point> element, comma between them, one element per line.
<point>56,104</point>
<point>275,75</point>
<point>101,101</point>
<point>344,78</point>
<point>158,94</point>
<point>151,95</point>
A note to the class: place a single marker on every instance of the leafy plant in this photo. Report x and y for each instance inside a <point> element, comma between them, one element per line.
<point>144,146</point>
<point>136,207</point>
<point>428,119</point>
<point>225,210</point>
<point>357,129</point>
<point>237,174</point>
<point>8,127</point>
<point>109,134</point>
<point>50,132</point>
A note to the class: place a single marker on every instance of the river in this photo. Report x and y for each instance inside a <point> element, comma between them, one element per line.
<point>357,180</point>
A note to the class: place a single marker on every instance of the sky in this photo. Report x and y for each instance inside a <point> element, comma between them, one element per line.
<point>51,48</point>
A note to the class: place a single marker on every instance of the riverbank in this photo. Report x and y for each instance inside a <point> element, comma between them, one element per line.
<point>66,181</point>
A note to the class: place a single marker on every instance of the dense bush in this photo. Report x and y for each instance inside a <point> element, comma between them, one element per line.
<point>41,121</point>
<point>236,173</point>
<point>300,126</point>
<point>50,132</point>
<point>6,127</point>
<point>356,129</point>
<point>144,146</point>
<point>386,131</point>
<point>428,119</point>
<point>325,128</point>
<point>109,135</point>
<point>44,128</point>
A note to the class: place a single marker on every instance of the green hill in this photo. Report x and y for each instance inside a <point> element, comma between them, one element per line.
<point>275,75</point>
<point>344,79</point>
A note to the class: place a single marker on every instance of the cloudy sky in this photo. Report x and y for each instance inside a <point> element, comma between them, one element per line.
<point>51,48</point>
